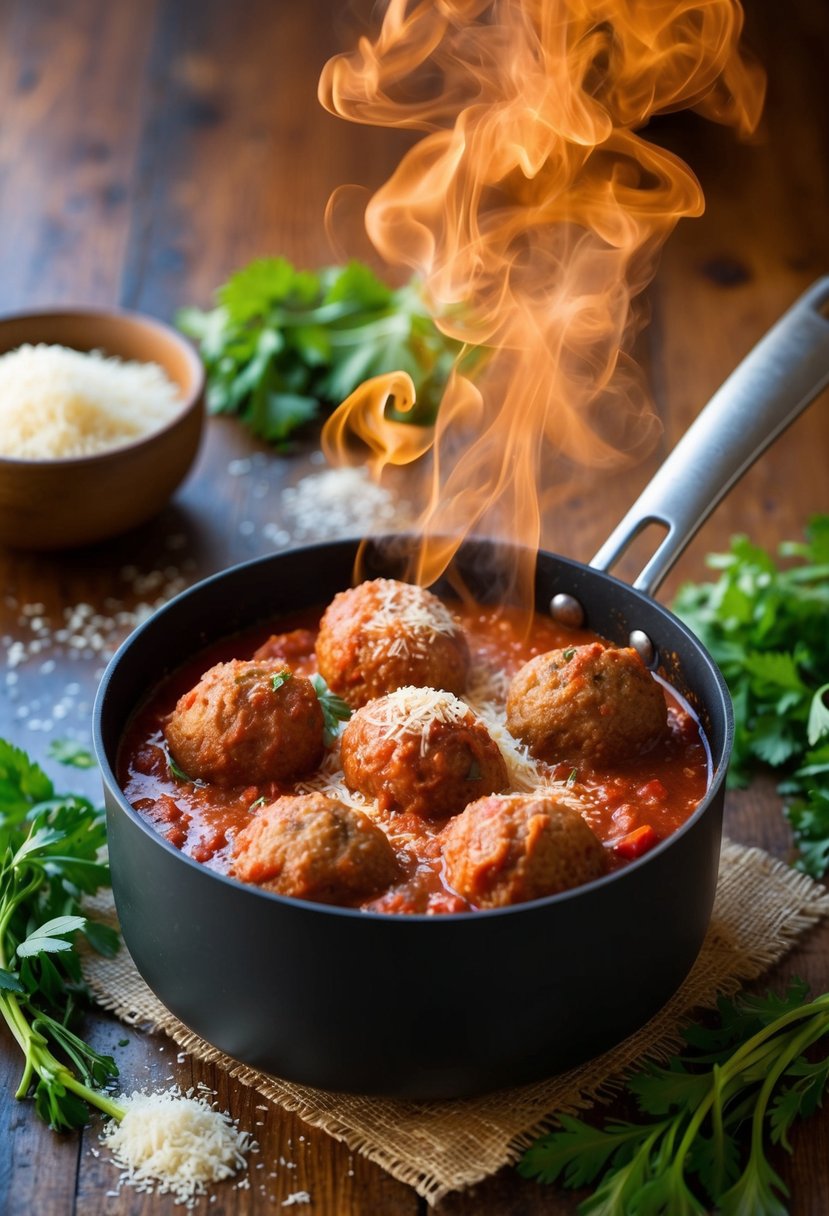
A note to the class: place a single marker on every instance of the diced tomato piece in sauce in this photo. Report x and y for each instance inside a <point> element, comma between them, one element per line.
<point>636,843</point>
<point>652,792</point>
<point>210,845</point>
<point>171,821</point>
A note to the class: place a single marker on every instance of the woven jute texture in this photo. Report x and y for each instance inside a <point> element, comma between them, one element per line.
<point>761,908</point>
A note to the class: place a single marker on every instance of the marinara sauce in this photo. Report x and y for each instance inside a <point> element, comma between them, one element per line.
<point>630,807</point>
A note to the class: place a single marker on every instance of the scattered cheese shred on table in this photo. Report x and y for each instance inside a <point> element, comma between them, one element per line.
<point>168,1143</point>
<point>57,403</point>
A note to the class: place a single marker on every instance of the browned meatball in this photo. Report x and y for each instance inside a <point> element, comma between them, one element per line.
<point>247,722</point>
<point>297,644</point>
<point>313,847</point>
<point>421,750</point>
<point>383,635</point>
<point>593,703</point>
<point>507,850</point>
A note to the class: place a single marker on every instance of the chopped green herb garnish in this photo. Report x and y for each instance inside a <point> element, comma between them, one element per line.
<point>280,678</point>
<point>178,772</point>
<point>334,709</point>
<point>568,653</point>
<point>765,625</point>
<point>69,751</point>
<point>818,724</point>
<point>284,341</point>
<point>260,801</point>
<point>686,1153</point>
<point>50,846</point>
<point>572,777</point>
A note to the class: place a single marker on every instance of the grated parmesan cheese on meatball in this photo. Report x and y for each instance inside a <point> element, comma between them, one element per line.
<point>414,711</point>
<point>382,635</point>
<point>421,618</point>
<point>421,750</point>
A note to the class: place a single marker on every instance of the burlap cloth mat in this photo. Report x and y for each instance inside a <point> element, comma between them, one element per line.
<point>762,907</point>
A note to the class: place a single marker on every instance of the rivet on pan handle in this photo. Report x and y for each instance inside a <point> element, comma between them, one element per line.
<point>770,388</point>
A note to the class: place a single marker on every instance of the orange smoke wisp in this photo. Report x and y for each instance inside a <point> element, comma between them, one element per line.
<point>363,417</point>
<point>533,213</point>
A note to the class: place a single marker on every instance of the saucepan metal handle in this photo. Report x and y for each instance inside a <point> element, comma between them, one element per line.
<point>769,389</point>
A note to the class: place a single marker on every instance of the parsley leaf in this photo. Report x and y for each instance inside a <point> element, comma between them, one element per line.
<point>69,751</point>
<point>282,341</point>
<point>334,709</point>
<point>818,716</point>
<point>9,982</point>
<point>279,678</point>
<point>49,937</point>
<point>764,623</point>
<point>685,1153</point>
<point>51,852</point>
<point>22,784</point>
<point>809,819</point>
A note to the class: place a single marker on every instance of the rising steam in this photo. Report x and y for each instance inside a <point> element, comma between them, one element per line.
<point>534,213</point>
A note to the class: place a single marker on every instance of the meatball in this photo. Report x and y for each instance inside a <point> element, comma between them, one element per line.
<point>298,644</point>
<point>588,703</point>
<point>421,750</point>
<point>247,722</point>
<point>502,851</point>
<point>313,847</point>
<point>384,635</point>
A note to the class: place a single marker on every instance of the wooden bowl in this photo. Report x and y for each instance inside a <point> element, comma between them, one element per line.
<point>60,504</point>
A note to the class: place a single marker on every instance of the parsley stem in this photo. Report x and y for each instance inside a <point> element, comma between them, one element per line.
<point>14,1019</point>
<point>93,1096</point>
<point>34,1045</point>
<point>814,1029</point>
<point>740,1058</point>
<point>754,1050</point>
<point>39,1059</point>
<point>718,1125</point>
<point>10,906</point>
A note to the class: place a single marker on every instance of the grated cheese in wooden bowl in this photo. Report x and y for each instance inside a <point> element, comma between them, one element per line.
<point>57,403</point>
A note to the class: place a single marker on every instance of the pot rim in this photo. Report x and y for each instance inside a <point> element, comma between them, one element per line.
<point>111,783</point>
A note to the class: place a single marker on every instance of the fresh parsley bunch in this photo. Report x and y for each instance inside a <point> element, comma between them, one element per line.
<point>282,341</point>
<point>50,857</point>
<point>767,626</point>
<point>686,1152</point>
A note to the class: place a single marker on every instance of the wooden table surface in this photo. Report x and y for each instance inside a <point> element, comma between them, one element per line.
<point>148,148</point>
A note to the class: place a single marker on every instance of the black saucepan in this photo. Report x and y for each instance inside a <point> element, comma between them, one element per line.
<point>434,1007</point>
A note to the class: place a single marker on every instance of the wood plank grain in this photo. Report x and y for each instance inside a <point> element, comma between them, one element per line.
<point>238,158</point>
<point>37,1167</point>
<point>71,101</point>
